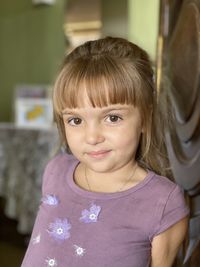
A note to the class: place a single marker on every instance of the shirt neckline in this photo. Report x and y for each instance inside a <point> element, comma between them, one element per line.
<point>101,195</point>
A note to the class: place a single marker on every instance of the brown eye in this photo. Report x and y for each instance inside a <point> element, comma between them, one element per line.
<point>113,118</point>
<point>75,121</point>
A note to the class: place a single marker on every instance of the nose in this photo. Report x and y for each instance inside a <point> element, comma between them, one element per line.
<point>94,134</point>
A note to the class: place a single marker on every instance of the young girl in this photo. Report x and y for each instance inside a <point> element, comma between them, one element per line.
<point>106,202</point>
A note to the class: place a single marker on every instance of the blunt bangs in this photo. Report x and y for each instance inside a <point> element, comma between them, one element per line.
<point>104,80</point>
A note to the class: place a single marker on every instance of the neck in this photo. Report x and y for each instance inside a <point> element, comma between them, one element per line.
<point>115,181</point>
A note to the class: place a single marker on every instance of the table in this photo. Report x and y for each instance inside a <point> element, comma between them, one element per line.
<point>23,156</point>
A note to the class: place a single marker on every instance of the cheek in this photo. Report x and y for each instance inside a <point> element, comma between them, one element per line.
<point>71,137</point>
<point>126,136</point>
<point>130,142</point>
<point>119,140</point>
<point>74,139</point>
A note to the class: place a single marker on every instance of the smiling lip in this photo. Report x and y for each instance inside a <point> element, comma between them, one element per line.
<point>98,154</point>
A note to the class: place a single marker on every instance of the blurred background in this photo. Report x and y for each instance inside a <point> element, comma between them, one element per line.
<point>34,37</point>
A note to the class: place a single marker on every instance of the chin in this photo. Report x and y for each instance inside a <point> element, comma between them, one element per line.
<point>101,168</point>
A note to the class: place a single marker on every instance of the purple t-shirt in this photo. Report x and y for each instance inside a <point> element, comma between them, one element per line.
<point>78,228</point>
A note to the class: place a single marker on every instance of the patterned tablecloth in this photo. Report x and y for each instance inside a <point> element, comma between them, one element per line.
<point>23,156</point>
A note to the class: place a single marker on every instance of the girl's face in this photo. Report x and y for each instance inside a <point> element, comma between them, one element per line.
<point>104,139</point>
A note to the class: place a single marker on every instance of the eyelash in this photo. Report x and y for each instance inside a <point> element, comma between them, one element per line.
<point>119,118</point>
<point>71,121</point>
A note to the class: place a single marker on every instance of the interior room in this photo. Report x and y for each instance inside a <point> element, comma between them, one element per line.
<point>35,35</point>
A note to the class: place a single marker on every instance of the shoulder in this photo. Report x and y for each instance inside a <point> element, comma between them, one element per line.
<point>57,169</point>
<point>167,193</point>
<point>162,186</point>
<point>162,180</point>
<point>169,202</point>
<point>60,162</point>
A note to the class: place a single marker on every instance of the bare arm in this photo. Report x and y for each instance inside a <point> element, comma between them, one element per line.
<point>165,245</point>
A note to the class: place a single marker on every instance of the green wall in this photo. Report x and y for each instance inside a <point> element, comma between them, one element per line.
<point>32,40</point>
<point>136,20</point>
<point>143,24</point>
<point>31,46</point>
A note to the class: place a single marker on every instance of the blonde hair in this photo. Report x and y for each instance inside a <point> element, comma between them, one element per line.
<point>114,71</point>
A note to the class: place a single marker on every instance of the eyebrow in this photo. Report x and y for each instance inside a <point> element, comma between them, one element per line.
<point>66,112</point>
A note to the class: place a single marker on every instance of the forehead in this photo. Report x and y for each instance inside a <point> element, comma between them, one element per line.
<point>83,99</point>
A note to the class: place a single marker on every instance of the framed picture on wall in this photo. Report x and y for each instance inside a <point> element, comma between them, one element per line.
<point>33,107</point>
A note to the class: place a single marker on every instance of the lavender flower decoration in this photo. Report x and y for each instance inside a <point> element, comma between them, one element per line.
<point>51,200</point>
<point>51,262</point>
<point>36,240</point>
<point>90,216</point>
<point>79,251</point>
<point>59,229</point>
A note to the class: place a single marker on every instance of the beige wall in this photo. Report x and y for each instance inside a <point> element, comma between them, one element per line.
<point>143,24</point>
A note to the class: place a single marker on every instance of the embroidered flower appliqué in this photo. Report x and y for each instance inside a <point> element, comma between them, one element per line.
<point>59,229</point>
<point>51,200</point>
<point>51,262</point>
<point>90,216</point>
<point>79,250</point>
<point>36,240</point>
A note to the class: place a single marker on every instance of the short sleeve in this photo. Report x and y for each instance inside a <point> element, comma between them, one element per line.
<point>55,168</point>
<point>172,211</point>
